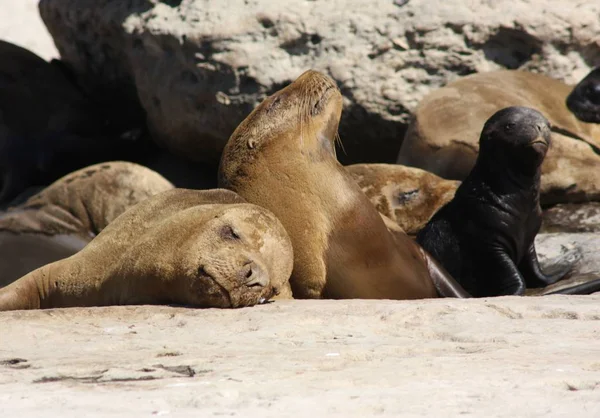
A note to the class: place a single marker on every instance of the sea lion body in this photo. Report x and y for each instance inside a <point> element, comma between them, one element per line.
<point>61,219</point>
<point>484,236</point>
<point>197,248</point>
<point>282,157</point>
<point>408,196</point>
<point>443,136</point>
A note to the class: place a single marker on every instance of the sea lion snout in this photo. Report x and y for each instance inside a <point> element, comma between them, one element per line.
<point>254,275</point>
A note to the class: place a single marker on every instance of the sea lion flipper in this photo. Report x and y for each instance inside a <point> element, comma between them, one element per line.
<point>580,285</point>
<point>533,274</point>
<point>445,285</point>
<point>500,276</point>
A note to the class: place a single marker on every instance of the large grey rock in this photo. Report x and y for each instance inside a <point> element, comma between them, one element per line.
<point>199,66</point>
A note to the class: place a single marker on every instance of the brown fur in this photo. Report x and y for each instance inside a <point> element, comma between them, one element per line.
<point>282,157</point>
<point>408,196</point>
<point>198,248</point>
<point>443,136</point>
<point>85,201</point>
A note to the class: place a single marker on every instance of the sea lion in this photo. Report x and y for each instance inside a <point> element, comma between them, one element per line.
<point>409,196</point>
<point>48,127</point>
<point>484,237</point>
<point>584,100</point>
<point>443,135</point>
<point>197,248</point>
<point>282,157</point>
<point>61,219</point>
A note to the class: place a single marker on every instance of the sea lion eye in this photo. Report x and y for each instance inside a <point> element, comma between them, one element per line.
<point>227,232</point>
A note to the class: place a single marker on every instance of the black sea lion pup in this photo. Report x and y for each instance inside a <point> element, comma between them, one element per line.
<point>584,100</point>
<point>282,157</point>
<point>61,219</point>
<point>485,236</point>
<point>197,248</point>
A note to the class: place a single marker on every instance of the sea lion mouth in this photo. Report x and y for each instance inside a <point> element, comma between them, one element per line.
<point>538,143</point>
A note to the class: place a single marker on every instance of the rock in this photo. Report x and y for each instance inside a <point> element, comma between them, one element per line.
<point>444,135</point>
<point>47,126</point>
<point>572,218</point>
<point>24,27</point>
<point>582,249</point>
<point>351,358</point>
<point>198,67</point>
<point>409,196</point>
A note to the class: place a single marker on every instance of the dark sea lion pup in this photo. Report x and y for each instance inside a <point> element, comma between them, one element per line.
<point>61,219</point>
<point>282,157</point>
<point>484,237</point>
<point>196,248</point>
<point>584,100</point>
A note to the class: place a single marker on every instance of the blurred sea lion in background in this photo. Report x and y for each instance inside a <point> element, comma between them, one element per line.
<point>409,196</point>
<point>61,219</point>
<point>443,136</point>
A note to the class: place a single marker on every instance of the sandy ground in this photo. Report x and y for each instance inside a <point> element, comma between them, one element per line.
<point>501,357</point>
<point>20,23</point>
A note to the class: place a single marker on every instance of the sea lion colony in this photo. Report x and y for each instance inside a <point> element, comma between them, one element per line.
<point>294,221</point>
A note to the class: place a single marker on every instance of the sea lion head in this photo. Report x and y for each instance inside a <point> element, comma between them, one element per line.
<point>245,257</point>
<point>516,137</point>
<point>584,100</point>
<point>304,114</point>
<point>213,255</point>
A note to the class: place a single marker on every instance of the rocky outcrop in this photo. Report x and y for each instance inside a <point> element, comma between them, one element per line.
<point>572,218</point>
<point>197,67</point>
<point>409,196</point>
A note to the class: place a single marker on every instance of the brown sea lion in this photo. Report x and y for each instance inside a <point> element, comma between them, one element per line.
<point>61,219</point>
<point>282,157</point>
<point>443,136</point>
<point>407,195</point>
<point>197,248</point>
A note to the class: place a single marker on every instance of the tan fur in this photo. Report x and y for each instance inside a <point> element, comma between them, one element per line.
<point>443,136</point>
<point>282,157</point>
<point>197,248</point>
<point>83,202</point>
<point>409,196</point>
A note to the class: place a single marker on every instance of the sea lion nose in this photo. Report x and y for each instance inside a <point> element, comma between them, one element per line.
<point>254,275</point>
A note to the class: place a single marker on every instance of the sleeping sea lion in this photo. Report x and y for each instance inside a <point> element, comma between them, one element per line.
<point>61,219</point>
<point>443,135</point>
<point>188,247</point>
<point>282,157</point>
<point>408,196</point>
<point>484,237</point>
